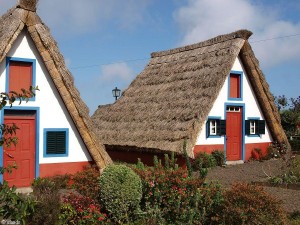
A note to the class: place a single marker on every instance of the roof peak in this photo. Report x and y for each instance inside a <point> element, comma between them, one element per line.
<point>243,34</point>
<point>28,4</point>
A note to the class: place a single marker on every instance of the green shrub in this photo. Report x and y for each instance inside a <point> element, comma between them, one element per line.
<point>219,157</point>
<point>276,150</point>
<point>82,210</point>
<point>294,218</point>
<point>170,196</point>
<point>295,144</point>
<point>43,185</point>
<point>86,182</point>
<point>272,152</point>
<point>48,201</point>
<point>291,174</point>
<point>249,204</point>
<point>295,166</point>
<point>14,206</point>
<point>61,181</point>
<point>203,160</point>
<point>120,192</point>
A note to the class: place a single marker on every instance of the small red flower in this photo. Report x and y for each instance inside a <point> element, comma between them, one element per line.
<point>101,218</point>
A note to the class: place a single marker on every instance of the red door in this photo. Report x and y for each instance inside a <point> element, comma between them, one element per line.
<point>23,154</point>
<point>234,133</point>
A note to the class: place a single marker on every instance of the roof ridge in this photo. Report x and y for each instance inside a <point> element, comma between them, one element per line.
<point>244,34</point>
<point>29,5</point>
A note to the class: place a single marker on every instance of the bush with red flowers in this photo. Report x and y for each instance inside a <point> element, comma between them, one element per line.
<point>86,182</point>
<point>249,204</point>
<point>170,196</point>
<point>77,209</point>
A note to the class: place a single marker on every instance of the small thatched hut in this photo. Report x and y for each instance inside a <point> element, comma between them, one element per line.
<point>212,93</point>
<point>56,133</point>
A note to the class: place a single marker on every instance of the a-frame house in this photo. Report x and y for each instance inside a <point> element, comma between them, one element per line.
<point>56,135</point>
<point>212,93</point>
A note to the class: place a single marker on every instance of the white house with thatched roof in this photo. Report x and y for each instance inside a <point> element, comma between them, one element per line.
<point>56,135</point>
<point>213,94</point>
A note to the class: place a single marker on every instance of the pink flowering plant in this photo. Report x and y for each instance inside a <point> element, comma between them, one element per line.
<point>81,210</point>
<point>170,194</point>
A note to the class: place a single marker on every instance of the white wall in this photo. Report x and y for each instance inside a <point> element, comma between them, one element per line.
<point>251,110</point>
<point>53,113</point>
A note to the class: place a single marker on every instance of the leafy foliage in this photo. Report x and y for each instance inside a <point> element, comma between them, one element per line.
<point>171,196</point>
<point>249,204</point>
<point>120,192</point>
<point>86,182</point>
<point>12,96</point>
<point>62,181</point>
<point>8,132</point>
<point>203,160</point>
<point>47,208</point>
<point>291,174</point>
<point>295,144</point>
<point>14,206</point>
<point>289,113</point>
<point>219,157</point>
<point>77,209</point>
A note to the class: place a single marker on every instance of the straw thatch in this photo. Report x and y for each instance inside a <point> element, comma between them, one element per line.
<point>24,17</point>
<point>171,99</point>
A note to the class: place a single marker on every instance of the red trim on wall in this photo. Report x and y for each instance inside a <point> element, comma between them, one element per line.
<point>207,148</point>
<point>51,169</point>
<point>248,148</point>
<point>251,146</point>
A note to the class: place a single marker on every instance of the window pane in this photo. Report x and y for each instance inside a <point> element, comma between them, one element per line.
<point>252,127</point>
<point>213,127</point>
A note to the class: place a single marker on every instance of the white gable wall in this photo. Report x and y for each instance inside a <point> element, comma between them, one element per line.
<point>251,110</point>
<point>53,113</point>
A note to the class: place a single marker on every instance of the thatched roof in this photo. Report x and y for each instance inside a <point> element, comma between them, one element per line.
<point>172,97</point>
<point>24,17</point>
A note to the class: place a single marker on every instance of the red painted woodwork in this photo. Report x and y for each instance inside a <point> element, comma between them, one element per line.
<point>20,75</point>
<point>52,169</point>
<point>207,148</point>
<point>251,146</point>
<point>234,135</point>
<point>235,91</point>
<point>23,154</point>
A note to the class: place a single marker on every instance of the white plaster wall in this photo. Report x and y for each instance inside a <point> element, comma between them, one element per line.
<point>53,113</point>
<point>251,110</point>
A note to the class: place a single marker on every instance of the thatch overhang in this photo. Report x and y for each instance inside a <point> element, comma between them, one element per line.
<point>171,98</point>
<point>24,17</point>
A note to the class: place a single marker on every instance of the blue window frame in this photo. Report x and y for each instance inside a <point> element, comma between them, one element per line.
<point>56,142</point>
<point>235,84</point>
<point>25,60</point>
